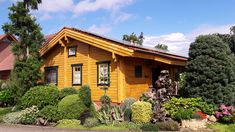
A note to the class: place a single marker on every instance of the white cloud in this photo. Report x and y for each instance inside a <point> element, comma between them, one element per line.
<point>148,18</point>
<point>99,29</point>
<point>179,43</point>
<point>45,17</point>
<point>122,17</point>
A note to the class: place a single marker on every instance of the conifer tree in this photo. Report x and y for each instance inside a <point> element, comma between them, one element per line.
<point>26,71</point>
<point>210,71</point>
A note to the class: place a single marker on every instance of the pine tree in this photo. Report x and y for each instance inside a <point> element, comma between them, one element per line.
<point>210,71</point>
<point>26,71</point>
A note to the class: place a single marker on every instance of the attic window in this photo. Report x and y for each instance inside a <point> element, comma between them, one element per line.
<point>72,51</point>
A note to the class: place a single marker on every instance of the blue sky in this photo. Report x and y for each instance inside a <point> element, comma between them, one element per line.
<point>173,22</point>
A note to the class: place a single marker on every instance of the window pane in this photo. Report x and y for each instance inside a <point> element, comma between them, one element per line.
<point>138,71</point>
<point>72,51</point>
<point>77,75</point>
<point>51,76</point>
<point>103,73</point>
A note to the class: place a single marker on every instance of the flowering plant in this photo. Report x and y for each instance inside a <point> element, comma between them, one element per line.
<point>200,115</point>
<point>29,115</point>
<point>225,114</point>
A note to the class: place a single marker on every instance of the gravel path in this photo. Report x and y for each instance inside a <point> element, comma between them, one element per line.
<point>22,128</point>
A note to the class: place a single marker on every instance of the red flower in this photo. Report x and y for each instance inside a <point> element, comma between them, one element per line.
<point>203,115</point>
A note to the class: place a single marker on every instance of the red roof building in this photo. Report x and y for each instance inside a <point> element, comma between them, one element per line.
<point>6,56</point>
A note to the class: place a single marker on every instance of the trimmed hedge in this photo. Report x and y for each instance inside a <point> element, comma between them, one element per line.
<point>141,112</point>
<point>40,96</point>
<point>71,107</point>
<point>85,95</point>
<point>50,113</point>
<point>67,91</point>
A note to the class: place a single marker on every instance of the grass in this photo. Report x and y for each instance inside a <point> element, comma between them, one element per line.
<point>219,127</point>
<point>100,127</point>
<point>4,111</point>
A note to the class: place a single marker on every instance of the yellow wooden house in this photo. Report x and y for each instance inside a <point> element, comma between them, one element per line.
<point>73,57</point>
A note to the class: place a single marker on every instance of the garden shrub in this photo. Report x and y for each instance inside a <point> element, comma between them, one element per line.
<point>6,97</point>
<point>149,127</point>
<point>128,102</point>
<point>69,122</point>
<point>194,104</point>
<point>13,118</point>
<point>40,96</point>
<point>50,113</point>
<point>67,91</point>
<point>29,115</point>
<point>105,102</point>
<point>182,114</point>
<point>91,122</point>
<point>132,126</point>
<point>168,126</point>
<point>127,114</point>
<point>210,70</point>
<point>84,115</point>
<point>141,112</point>
<point>85,95</point>
<point>71,107</point>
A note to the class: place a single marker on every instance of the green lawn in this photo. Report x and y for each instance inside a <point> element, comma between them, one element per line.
<point>218,127</point>
<point>4,111</point>
<point>100,127</point>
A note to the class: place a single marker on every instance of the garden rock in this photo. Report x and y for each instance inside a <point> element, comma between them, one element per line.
<point>194,124</point>
<point>212,118</point>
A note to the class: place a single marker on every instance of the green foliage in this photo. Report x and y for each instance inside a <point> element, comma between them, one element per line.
<point>29,115</point>
<point>227,119</point>
<point>110,115</point>
<point>91,122</point>
<point>6,96</point>
<point>71,107</point>
<point>210,71</point>
<point>13,118</point>
<point>40,96</point>
<point>219,127</point>
<point>50,113</point>
<point>67,91</point>
<point>149,127</point>
<point>127,114</point>
<point>26,71</point>
<point>141,112</point>
<point>69,123</point>
<point>194,104</point>
<point>105,102</point>
<point>4,111</point>
<point>182,114</point>
<point>161,47</point>
<point>168,126</point>
<point>85,95</point>
<point>133,38</point>
<point>128,102</point>
<point>84,115</point>
<point>133,126</point>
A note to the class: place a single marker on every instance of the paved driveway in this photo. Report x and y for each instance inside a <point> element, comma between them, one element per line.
<point>21,128</point>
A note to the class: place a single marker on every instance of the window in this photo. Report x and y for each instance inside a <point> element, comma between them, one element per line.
<point>72,51</point>
<point>51,75</point>
<point>103,77</point>
<point>138,71</point>
<point>76,74</point>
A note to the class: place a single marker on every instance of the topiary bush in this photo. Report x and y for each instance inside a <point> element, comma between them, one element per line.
<point>85,95</point>
<point>29,115</point>
<point>67,91</point>
<point>149,127</point>
<point>91,122</point>
<point>71,107</point>
<point>141,112</point>
<point>6,97</point>
<point>105,102</point>
<point>194,104</point>
<point>168,126</point>
<point>50,113</point>
<point>40,96</point>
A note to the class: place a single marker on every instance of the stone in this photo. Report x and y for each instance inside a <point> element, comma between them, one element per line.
<point>212,118</point>
<point>194,124</point>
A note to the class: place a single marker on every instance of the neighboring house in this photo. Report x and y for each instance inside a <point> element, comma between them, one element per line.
<point>74,57</point>
<point>6,56</point>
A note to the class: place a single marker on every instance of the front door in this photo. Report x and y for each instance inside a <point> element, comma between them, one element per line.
<point>155,73</point>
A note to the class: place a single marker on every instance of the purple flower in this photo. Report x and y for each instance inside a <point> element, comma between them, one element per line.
<point>223,107</point>
<point>218,114</point>
<point>226,112</point>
